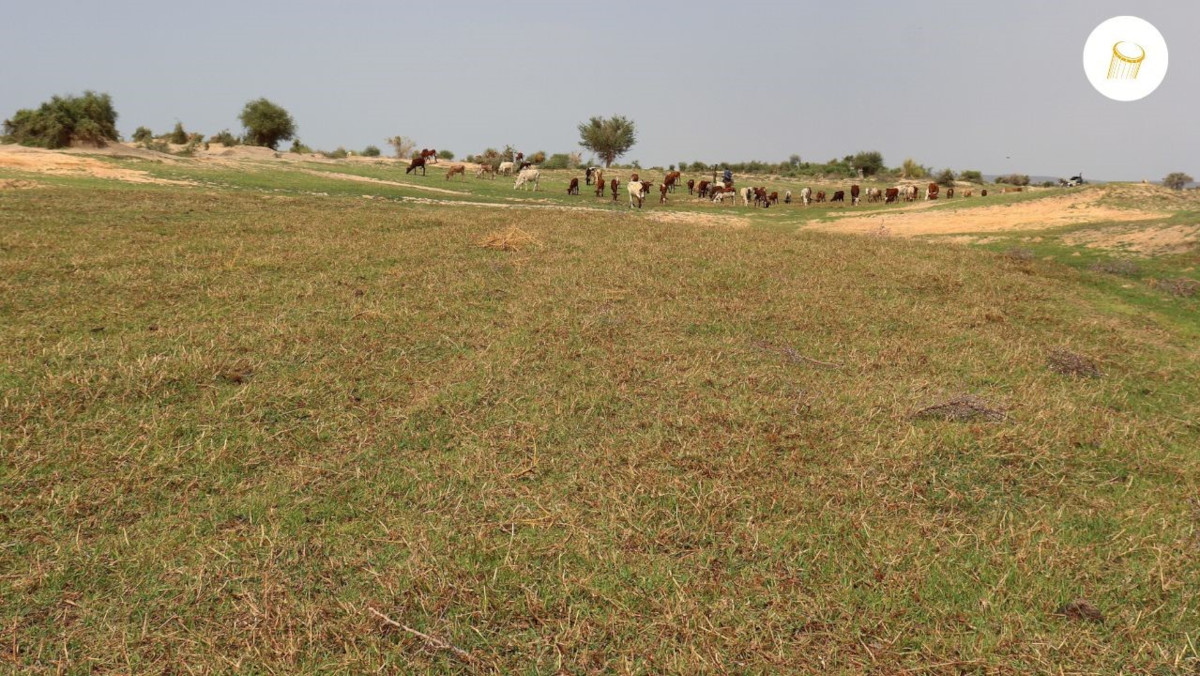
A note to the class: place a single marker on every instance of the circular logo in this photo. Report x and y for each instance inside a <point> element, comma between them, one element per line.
<point>1125,58</point>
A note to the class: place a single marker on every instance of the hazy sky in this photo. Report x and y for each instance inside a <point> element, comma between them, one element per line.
<point>992,86</point>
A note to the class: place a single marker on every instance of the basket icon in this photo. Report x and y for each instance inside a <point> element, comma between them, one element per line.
<point>1126,60</point>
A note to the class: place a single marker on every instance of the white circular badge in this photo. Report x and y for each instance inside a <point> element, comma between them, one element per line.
<point>1125,58</point>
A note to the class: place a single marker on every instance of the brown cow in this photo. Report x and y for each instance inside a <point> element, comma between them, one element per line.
<point>983,193</point>
<point>891,195</point>
<point>414,163</point>
<point>614,185</point>
<point>573,189</point>
<point>702,189</point>
<point>854,191</point>
<point>931,192</point>
<point>773,198</point>
<point>691,184</point>
<point>950,192</point>
<point>838,196</point>
<point>646,186</point>
<point>456,169</point>
<point>820,196</point>
<point>634,177</point>
<point>967,192</point>
<point>662,192</point>
<point>429,154</point>
<point>486,169</point>
<point>671,179</point>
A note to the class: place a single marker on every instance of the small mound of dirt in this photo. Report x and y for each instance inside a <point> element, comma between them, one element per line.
<point>1068,363</point>
<point>963,408</point>
<point>1081,609</point>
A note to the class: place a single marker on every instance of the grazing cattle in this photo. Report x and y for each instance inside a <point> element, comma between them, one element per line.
<point>614,185</point>
<point>636,193</point>
<point>892,195</point>
<point>820,197</point>
<point>702,189</point>
<point>745,193</point>
<point>523,166</point>
<point>671,179</point>
<point>414,163</point>
<point>599,187</point>
<point>854,191</point>
<point>528,177</point>
<point>456,169</point>
<point>787,196</point>
<point>912,192</point>
<point>573,189</point>
<point>720,193</point>
<point>429,155</point>
<point>874,194</point>
<point>634,177</point>
<point>505,168</point>
<point>760,196</point>
<point>931,192</point>
<point>967,192</point>
<point>486,169</point>
<point>950,192</point>
<point>662,193</point>
<point>983,193</point>
<point>691,184</point>
<point>593,172</point>
<point>806,196</point>
<point>839,196</point>
<point>773,198</point>
<point>646,186</point>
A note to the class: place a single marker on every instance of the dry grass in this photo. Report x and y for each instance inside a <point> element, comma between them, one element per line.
<point>509,239</point>
<point>1181,287</point>
<point>1068,363</point>
<point>962,408</point>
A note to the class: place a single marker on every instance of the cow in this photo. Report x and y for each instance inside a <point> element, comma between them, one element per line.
<point>950,192</point>
<point>662,193</point>
<point>787,197</point>
<point>745,194</point>
<point>874,194</point>
<point>702,189</point>
<point>671,179</point>
<point>456,169</point>
<point>528,177</point>
<point>505,168</point>
<point>573,189</point>
<point>806,196</point>
<point>983,193</point>
<point>760,196</point>
<point>429,155</point>
<point>634,177</point>
<point>486,169</point>
<point>967,192</point>
<point>636,193</point>
<point>614,185</point>
<point>523,166</point>
<point>416,162</point>
<point>854,191</point>
<point>717,193</point>
<point>820,197</point>
<point>892,195</point>
<point>691,184</point>
<point>931,192</point>
<point>838,196</point>
<point>590,173</point>
<point>773,198</point>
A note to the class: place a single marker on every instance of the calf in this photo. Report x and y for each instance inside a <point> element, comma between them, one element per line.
<point>614,185</point>
<point>839,196</point>
<point>773,198</point>
<point>820,197</point>
<point>662,193</point>
<point>573,189</point>
<point>456,169</point>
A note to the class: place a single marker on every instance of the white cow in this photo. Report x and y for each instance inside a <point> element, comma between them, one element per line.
<point>636,193</point>
<point>528,176</point>
<point>806,196</point>
<point>746,194</point>
<point>505,168</point>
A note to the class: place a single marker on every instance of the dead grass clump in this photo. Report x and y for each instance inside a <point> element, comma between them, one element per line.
<point>1068,363</point>
<point>512,239</point>
<point>1120,266</point>
<point>16,184</point>
<point>1019,254</point>
<point>793,356</point>
<point>1081,609</point>
<point>1179,286</point>
<point>963,408</point>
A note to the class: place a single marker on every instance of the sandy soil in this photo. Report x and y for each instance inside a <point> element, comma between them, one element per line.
<point>1148,241</point>
<point>717,220</point>
<point>1079,207</point>
<point>67,163</point>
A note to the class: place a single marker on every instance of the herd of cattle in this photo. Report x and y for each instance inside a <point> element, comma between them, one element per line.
<point>528,177</point>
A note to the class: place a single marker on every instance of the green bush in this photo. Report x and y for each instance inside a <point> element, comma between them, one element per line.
<point>142,134</point>
<point>945,178</point>
<point>971,175</point>
<point>225,138</point>
<point>178,136</point>
<point>63,120</point>
<point>371,151</point>
<point>338,154</point>
<point>445,155</point>
<point>558,161</point>
<point>298,147</point>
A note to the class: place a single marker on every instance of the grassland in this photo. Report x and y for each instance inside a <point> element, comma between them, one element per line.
<point>244,421</point>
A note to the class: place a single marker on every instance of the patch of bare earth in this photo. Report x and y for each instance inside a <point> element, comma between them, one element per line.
<point>693,218</point>
<point>17,184</point>
<point>38,160</point>
<point>1071,209</point>
<point>1149,240</point>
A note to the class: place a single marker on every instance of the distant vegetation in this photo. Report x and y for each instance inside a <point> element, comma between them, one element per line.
<point>64,120</point>
<point>225,138</point>
<point>267,124</point>
<point>178,135</point>
<point>142,135</point>
<point>971,175</point>
<point>371,151</point>
<point>945,178</point>
<point>1013,179</point>
<point>609,138</point>
<point>402,145</point>
<point>1176,180</point>
<point>445,155</point>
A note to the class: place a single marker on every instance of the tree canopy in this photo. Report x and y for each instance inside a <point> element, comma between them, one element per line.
<point>64,120</point>
<point>869,162</point>
<point>267,124</point>
<point>1176,180</point>
<point>608,138</point>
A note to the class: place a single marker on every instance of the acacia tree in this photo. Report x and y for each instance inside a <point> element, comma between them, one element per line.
<point>64,120</point>
<point>945,179</point>
<point>403,146</point>
<point>1176,180</point>
<point>609,138</point>
<point>267,124</point>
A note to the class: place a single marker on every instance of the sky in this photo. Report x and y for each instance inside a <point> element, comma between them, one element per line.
<point>997,87</point>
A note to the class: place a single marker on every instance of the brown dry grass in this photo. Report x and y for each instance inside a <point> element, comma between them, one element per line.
<point>509,239</point>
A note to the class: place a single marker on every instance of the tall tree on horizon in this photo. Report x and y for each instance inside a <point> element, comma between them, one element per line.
<point>609,138</point>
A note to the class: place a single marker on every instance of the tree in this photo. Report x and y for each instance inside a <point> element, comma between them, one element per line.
<point>972,175</point>
<point>64,120</point>
<point>445,155</point>
<point>794,160</point>
<point>869,162</point>
<point>142,134</point>
<point>609,138</point>
<point>910,169</point>
<point>267,124</point>
<point>403,146</point>
<point>945,179</point>
<point>1176,180</point>
<point>179,136</point>
<point>371,151</point>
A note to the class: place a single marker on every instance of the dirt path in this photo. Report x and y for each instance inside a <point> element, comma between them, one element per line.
<point>1049,212</point>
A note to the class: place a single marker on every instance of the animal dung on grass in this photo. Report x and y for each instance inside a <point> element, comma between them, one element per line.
<point>963,408</point>
<point>1080,609</point>
<point>1068,363</point>
<point>511,239</point>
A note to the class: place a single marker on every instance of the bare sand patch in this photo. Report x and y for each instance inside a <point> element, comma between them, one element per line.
<point>1144,240</point>
<point>39,160</point>
<point>694,218</point>
<point>1050,212</point>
